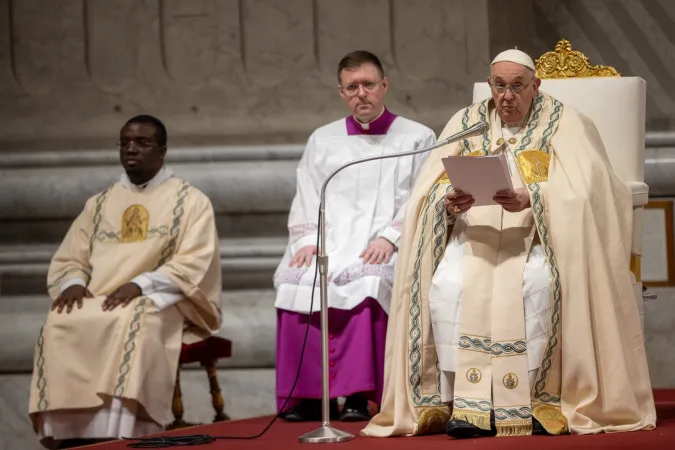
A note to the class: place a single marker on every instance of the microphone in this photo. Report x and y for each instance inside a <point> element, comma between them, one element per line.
<point>327,433</point>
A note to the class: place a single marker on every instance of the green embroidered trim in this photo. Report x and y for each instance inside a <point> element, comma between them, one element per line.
<point>56,282</point>
<point>130,344</point>
<point>482,112</point>
<point>469,144</point>
<point>523,412</point>
<point>100,201</point>
<point>41,384</point>
<point>532,125</point>
<point>440,230</point>
<point>542,229</point>
<point>508,348</point>
<point>553,120</point>
<point>116,236</point>
<point>414,336</point>
<point>475,343</point>
<point>485,345</point>
<point>475,404</point>
<point>178,211</point>
<point>465,125</point>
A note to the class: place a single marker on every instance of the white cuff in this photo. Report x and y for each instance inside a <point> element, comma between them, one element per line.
<point>391,234</point>
<point>158,288</point>
<point>163,300</point>
<point>304,241</point>
<point>72,282</point>
<point>144,282</point>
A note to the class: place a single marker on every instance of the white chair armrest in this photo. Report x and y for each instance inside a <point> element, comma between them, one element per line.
<point>640,193</point>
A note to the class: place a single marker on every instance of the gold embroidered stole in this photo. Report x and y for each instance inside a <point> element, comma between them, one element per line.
<point>492,369</point>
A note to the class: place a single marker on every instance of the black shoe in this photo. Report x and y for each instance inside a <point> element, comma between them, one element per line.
<point>355,409</point>
<point>459,429</point>
<point>309,410</point>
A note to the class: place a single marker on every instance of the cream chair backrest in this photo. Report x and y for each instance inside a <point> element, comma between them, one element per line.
<point>616,104</point>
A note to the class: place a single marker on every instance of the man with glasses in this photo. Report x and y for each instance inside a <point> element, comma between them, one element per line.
<point>526,321</point>
<point>137,274</point>
<point>364,213</point>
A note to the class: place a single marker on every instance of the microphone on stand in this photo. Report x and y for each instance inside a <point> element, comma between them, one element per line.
<point>327,433</point>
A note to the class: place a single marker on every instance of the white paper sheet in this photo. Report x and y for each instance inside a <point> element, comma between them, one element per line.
<point>480,176</point>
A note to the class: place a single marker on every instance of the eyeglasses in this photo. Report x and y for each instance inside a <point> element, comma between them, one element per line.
<point>353,88</point>
<point>516,87</point>
<point>141,143</point>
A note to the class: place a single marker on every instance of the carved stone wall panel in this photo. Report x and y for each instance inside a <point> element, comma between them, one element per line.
<point>198,38</point>
<point>433,54</point>
<point>8,82</point>
<point>42,34</point>
<point>279,42</point>
<point>113,42</point>
<point>348,25</point>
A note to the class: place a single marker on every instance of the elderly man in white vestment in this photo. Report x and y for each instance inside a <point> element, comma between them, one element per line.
<point>517,318</point>
<point>365,205</point>
<point>137,274</point>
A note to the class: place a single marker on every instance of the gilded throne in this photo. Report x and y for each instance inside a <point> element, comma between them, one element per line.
<point>617,106</point>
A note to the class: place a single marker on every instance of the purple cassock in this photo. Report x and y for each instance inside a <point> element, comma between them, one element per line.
<point>356,336</point>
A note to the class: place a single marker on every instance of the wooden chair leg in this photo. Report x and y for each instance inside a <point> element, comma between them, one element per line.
<point>177,406</point>
<point>216,396</point>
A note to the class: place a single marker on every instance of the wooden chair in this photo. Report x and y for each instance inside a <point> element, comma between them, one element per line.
<point>207,353</point>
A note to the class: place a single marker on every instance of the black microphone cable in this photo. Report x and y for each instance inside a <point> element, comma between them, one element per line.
<point>202,439</point>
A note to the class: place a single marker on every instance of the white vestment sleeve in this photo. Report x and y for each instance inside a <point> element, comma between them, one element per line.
<point>392,233</point>
<point>304,212</point>
<point>158,288</point>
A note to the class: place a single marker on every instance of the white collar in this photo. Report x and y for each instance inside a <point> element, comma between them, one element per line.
<point>164,174</point>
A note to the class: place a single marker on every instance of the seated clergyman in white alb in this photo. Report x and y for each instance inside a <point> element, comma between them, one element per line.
<point>518,318</point>
<point>137,274</point>
<point>364,211</point>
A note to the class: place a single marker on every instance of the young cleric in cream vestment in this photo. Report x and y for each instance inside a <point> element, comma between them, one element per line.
<point>137,274</point>
<point>519,317</point>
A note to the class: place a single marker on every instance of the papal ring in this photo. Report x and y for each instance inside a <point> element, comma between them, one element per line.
<point>456,209</point>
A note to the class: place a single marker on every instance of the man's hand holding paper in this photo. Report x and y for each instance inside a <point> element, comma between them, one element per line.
<point>514,200</point>
<point>482,180</point>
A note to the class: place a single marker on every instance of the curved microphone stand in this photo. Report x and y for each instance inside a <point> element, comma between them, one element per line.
<point>326,433</point>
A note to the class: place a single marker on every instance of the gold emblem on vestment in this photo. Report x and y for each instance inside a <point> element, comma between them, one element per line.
<point>510,381</point>
<point>474,375</point>
<point>551,418</point>
<point>432,419</point>
<point>135,224</point>
<point>533,165</point>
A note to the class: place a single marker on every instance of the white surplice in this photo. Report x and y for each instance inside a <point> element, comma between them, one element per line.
<point>363,202</point>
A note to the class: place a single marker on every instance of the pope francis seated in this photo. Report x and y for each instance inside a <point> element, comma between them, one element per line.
<point>137,274</point>
<point>517,318</point>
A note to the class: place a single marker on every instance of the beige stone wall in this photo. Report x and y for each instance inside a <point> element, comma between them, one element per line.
<point>223,71</point>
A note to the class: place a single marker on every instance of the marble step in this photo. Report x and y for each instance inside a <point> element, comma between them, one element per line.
<point>249,321</point>
<point>246,263</point>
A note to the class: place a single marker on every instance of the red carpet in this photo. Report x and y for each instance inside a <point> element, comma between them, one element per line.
<point>284,435</point>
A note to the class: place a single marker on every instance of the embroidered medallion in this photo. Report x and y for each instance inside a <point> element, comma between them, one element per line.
<point>135,224</point>
<point>500,141</point>
<point>474,375</point>
<point>552,419</point>
<point>510,381</point>
<point>513,140</point>
<point>533,165</point>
